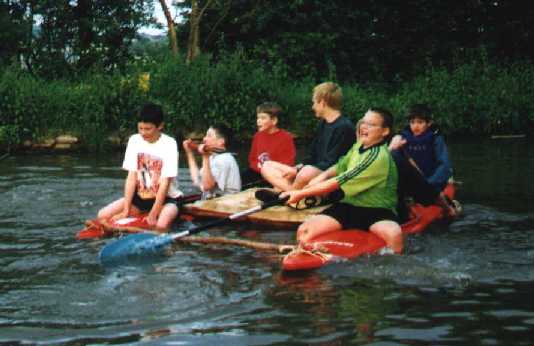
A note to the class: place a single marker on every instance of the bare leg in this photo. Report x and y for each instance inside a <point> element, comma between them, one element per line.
<point>278,175</point>
<point>111,210</point>
<point>390,232</point>
<point>316,225</point>
<point>166,217</point>
<point>114,208</point>
<point>304,176</point>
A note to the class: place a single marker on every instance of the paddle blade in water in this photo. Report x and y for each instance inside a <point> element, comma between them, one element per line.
<point>135,246</point>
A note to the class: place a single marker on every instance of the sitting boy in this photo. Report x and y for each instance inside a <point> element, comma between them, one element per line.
<point>333,139</point>
<point>423,161</point>
<point>270,143</point>
<point>367,178</point>
<point>219,174</point>
<point>151,160</point>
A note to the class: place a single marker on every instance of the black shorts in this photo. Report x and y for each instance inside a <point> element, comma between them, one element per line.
<point>146,204</point>
<point>350,216</point>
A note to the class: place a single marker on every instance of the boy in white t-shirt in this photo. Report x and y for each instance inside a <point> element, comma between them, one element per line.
<point>219,174</point>
<point>151,160</point>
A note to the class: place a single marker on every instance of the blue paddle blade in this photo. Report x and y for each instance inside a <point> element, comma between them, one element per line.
<point>135,246</point>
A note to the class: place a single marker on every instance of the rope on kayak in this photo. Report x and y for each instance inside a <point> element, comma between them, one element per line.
<point>312,249</point>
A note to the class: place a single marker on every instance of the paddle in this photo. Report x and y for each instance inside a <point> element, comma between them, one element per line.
<point>96,230</point>
<point>147,244</point>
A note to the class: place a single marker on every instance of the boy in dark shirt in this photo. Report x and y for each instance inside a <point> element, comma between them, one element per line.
<point>423,161</point>
<point>334,137</point>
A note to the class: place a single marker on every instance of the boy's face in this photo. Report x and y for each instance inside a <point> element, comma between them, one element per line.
<point>266,122</point>
<point>212,139</point>
<point>318,106</point>
<point>371,131</point>
<point>419,126</point>
<point>149,131</point>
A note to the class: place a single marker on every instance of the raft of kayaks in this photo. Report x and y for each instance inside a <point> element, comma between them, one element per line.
<point>345,244</point>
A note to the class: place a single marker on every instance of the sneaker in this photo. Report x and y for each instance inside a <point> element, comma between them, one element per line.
<point>266,195</point>
<point>307,202</point>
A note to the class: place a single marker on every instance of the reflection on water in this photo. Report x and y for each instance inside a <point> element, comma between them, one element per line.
<point>469,282</point>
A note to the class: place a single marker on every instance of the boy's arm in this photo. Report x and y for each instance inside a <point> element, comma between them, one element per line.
<point>312,151</point>
<point>285,151</point>
<point>253,154</point>
<point>207,182</point>
<point>318,189</point>
<point>443,170</point>
<point>129,190</point>
<point>191,162</point>
<point>160,201</point>
<point>329,173</point>
<point>396,143</point>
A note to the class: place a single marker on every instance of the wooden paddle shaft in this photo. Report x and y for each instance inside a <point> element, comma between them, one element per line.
<point>239,242</point>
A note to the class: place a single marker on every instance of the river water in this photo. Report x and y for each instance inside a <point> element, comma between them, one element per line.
<point>467,283</point>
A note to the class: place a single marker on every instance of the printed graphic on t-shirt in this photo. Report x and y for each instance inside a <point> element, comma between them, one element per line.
<point>148,174</point>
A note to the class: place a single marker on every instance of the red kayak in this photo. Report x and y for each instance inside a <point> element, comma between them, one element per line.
<point>96,229</point>
<point>132,224</point>
<point>348,244</point>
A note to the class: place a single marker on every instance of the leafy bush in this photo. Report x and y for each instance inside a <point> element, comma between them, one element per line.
<point>476,98</point>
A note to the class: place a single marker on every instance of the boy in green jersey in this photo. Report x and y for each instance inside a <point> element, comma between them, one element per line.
<point>367,176</point>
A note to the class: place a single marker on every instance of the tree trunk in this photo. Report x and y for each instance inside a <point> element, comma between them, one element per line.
<point>193,46</point>
<point>192,43</point>
<point>170,26</point>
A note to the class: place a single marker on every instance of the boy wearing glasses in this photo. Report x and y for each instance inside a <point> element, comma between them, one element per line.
<point>366,178</point>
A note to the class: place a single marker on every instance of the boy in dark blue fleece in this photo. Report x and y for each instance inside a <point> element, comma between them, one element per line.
<point>423,160</point>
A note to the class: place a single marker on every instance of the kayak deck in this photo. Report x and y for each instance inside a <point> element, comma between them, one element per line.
<point>277,216</point>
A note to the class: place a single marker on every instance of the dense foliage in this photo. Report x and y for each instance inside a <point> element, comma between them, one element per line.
<point>75,66</point>
<point>367,40</point>
<point>58,38</point>
<point>478,98</point>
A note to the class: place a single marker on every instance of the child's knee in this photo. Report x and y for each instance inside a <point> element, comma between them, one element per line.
<point>267,166</point>
<point>102,214</point>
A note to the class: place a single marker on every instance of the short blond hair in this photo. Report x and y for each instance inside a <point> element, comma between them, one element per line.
<point>329,92</point>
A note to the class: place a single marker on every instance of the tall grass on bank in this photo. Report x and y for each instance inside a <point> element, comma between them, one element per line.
<point>477,98</point>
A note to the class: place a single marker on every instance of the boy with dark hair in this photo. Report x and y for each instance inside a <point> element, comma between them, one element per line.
<point>333,139</point>
<point>423,161</point>
<point>270,143</point>
<point>151,160</point>
<point>219,174</point>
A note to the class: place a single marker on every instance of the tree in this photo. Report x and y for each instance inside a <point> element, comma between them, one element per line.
<point>13,30</point>
<point>367,40</point>
<point>170,27</point>
<point>74,36</point>
<point>195,17</point>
